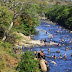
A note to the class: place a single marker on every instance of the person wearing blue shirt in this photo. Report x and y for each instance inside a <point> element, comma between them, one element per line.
<point>23,47</point>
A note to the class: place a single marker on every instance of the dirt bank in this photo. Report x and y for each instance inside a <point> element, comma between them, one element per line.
<point>27,42</point>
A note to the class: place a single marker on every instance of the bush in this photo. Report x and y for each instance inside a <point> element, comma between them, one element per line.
<point>27,63</point>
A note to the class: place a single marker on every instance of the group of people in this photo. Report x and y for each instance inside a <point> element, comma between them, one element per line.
<point>18,49</point>
<point>41,56</point>
<point>44,41</point>
<point>58,51</point>
<point>61,56</point>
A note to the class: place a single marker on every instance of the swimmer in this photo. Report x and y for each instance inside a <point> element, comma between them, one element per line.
<point>60,55</point>
<point>57,31</point>
<point>66,49</point>
<point>69,48</point>
<point>48,50</point>
<point>46,32</point>
<point>65,56</point>
<point>58,51</point>
<point>53,62</point>
<point>54,57</point>
<point>71,54</point>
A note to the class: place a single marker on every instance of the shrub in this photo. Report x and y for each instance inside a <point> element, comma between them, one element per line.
<point>27,63</point>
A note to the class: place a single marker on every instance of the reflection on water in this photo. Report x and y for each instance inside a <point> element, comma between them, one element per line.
<point>62,65</point>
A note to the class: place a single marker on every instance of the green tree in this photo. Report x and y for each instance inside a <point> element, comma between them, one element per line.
<point>61,14</point>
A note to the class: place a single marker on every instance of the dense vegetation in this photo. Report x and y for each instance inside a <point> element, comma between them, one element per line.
<point>22,16</point>
<point>28,64</point>
<point>61,14</point>
<point>17,16</point>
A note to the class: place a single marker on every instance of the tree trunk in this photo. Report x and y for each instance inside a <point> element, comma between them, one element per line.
<point>4,38</point>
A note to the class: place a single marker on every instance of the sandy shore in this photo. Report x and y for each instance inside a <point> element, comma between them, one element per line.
<point>27,42</point>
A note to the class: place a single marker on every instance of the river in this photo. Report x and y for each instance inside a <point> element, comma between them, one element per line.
<point>62,65</point>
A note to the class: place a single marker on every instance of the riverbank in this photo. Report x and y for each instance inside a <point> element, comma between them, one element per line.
<point>61,15</point>
<point>44,19</point>
<point>28,42</point>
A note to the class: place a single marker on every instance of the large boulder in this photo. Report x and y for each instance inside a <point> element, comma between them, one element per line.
<point>43,65</point>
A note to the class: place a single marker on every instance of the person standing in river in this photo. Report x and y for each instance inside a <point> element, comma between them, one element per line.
<point>46,32</point>
<point>54,57</point>
<point>48,50</point>
<point>71,54</point>
<point>41,54</point>
<point>45,41</point>
<point>23,47</point>
<point>65,57</point>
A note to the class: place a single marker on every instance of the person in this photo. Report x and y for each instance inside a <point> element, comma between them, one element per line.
<point>38,54</point>
<point>46,32</point>
<point>41,54</point>
<point>66,49</point>
<point>50,40</point>
<point>54,41</point>
<point>45,41</point>
<point>35,57</point>
<point>57,31</point>
<point>69,48</point>
<point>19,47</point>
<point>48,50</point>
<point>70,41</point>
<point>35,52</point>
<point>60,55</point>
<point>59,44</point>
<point>71,54</point>
<point>65,56</point>
<point>58,51</point>
<point>27,49</point>
<point>44,56</point>
<point>54,57</point>
<point>31,49</point>
<point>23,47</point>
<point>16,51</point>
<point>42,40</point>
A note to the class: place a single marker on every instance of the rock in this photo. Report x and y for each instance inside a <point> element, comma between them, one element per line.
<point>43,65</point>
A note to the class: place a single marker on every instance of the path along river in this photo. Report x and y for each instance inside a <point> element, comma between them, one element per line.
<point>62,65</point>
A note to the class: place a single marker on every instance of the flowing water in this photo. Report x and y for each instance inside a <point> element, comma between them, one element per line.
<point>62,65</point>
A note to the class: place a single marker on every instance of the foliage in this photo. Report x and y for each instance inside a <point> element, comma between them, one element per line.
<point>6,46</point>
<point>5,16</point>
<point>27,63</point>
<point>27,22</point>
<point>61,15</point>
<point>2,64</point>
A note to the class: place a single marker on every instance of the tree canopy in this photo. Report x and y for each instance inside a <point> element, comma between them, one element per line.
<point>61,14</point>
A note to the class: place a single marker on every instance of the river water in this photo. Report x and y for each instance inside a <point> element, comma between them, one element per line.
<point>62,65</point>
